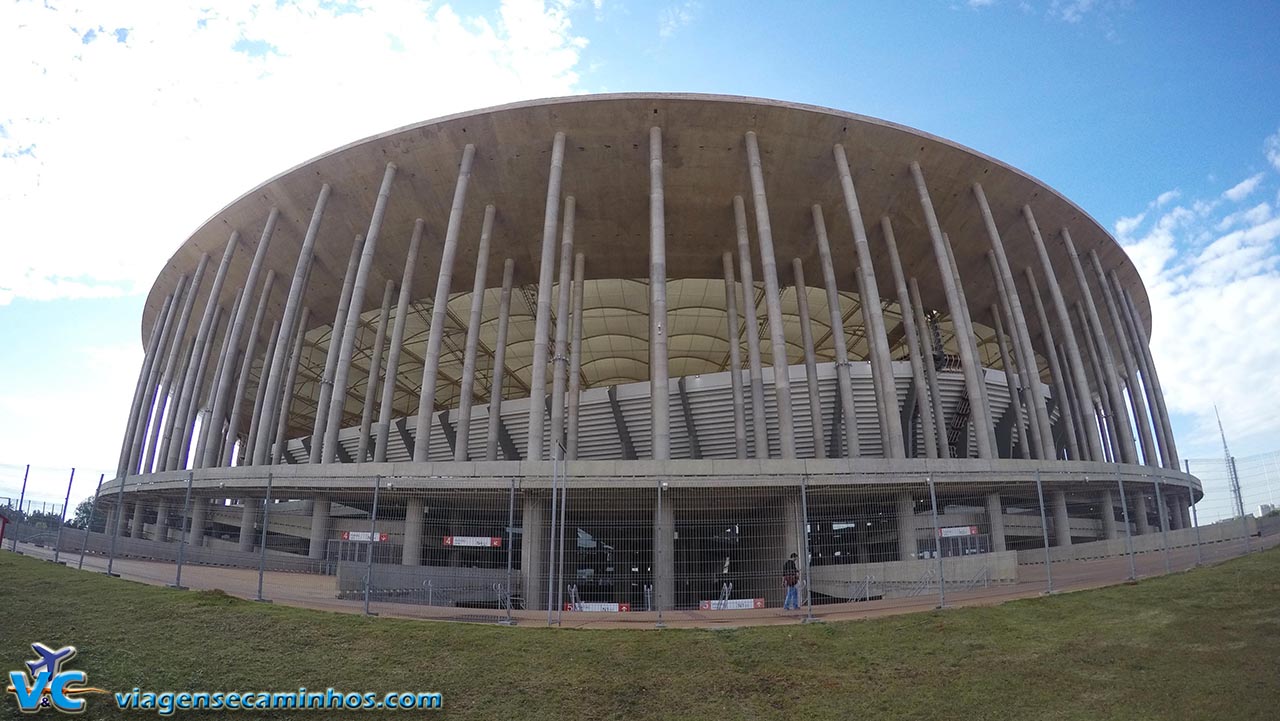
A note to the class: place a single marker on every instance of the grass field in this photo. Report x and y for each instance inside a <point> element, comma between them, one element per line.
<point>1197,645</point>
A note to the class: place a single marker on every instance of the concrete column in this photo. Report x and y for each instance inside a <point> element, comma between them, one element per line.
<point>1172,512</point>
<point>560,367</point>
<point>199,511</point>
<point>288,327</point>
<point>882,368</point>
<point>810,363</point>
<point>1109,446</point>
<point>575,357</point>
<point>1140,512</point>
<point>167,382</point>
<point>773,306</point>
<point>1011,382</point>
<point>979,415</point>
<point>371,386</point>
<point>1022,346</point>
<point>1061,523</point>
<point>1092,443</point>
<point>923,405</point>
<point>930,369</point>
<point>256,417</point>
<point>659,388</point>
<point>542,321</point>
<point>440,306</point>
<point>248,515</point>
<point>220,403</point>
<point>533,551</point>
<point>1107,502</point>
<point>186,397</point>
<point>837,333</point>
<point>1067,407</point>
<point>397,345</point>
<point>338,398</point>
<point>1072,399</point>
<point>246,367</point>
<point>1109,432</point>
<point>280,417</point>
<point>1040,430</point>
<point>995,521</point>
<point>971,338</point>
<point>169,313</point>
<point>1151,455</point>
<point>1185,508</point>
<point>499,363</point>
<point>412,554</point>
<point>1119,414</point>
<point>1150,381</point>
<point>224,362</point>
<point>331,360</point>
<point>759,426</point>
<point>664,553</point>
<point>1041,441</point>
<point>468,382</point>
<point>162,520</point>
<point>735,357</point>
<point>906,526</point>
<point>135,520</point>
<point>139,389</point>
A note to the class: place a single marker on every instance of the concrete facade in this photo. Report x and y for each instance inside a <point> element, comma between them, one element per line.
<point>640,369</point>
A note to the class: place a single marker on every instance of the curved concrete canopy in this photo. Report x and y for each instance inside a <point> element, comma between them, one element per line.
<point>606,169</point>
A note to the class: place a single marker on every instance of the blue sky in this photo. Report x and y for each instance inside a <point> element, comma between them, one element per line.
<point>124,126</point>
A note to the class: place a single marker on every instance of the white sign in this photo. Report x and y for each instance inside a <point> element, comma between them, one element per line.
<point>473,541</point>
<point>956,531</point>
<point>362,536</point>
<point>592,607</point>
<point>732,604</point>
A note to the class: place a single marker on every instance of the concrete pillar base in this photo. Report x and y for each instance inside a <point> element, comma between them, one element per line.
<point>412,554</point>
<point>319,527</point>
<point>906,526</point>
<point>533,552</point>
<point>995,520</point>
<point>1061,522</point>
<point>247,517</point>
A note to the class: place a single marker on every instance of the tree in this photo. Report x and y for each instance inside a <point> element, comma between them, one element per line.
<point>87,516</point>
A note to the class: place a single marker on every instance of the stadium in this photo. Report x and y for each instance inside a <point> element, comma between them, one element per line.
<point>693,334</point>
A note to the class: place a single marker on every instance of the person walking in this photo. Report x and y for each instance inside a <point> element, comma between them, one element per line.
<point>791,580</point>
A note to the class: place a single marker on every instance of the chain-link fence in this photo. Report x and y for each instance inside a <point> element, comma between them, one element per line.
<point>644,551</point>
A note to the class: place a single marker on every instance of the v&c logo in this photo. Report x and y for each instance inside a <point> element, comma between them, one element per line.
<point>46,685</point>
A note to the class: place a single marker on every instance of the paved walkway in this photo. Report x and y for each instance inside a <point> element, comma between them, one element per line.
<point>320,592</point>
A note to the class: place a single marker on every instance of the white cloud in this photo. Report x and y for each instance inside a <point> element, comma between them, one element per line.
<point>1242,189</point>
<point>980,3</point>
<point>674,17</point>
<point>1213,279</point>
<point>1256,215</point>
<point>124,126</point>
<point>1072,11</point>
<point>1125,226</point>
<point>1271,148</point>
<point>1167,197</point>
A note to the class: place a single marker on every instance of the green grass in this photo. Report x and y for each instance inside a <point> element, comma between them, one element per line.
<point>1198,645</point>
